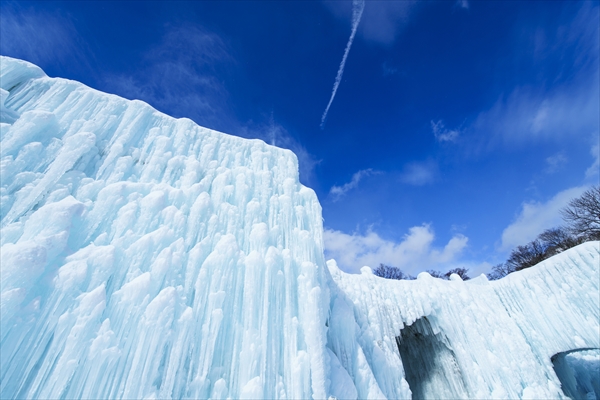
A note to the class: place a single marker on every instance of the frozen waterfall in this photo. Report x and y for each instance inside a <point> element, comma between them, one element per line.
<point>147,257</point>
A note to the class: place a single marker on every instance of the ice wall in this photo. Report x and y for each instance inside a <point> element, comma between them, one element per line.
<point>147,257</point>
<point>579,373</point>
<point>477,339</point>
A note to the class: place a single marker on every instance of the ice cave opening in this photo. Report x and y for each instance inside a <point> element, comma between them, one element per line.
<point>579,373</point>
<point>430,365</point>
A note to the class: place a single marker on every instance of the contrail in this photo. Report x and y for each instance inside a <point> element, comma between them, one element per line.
<point>357,9</point>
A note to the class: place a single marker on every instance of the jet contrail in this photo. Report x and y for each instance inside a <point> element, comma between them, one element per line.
<point>357,9</point>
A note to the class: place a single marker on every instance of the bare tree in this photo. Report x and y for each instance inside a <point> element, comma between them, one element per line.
<point>582,217</point>
<point>436,274</point>
<point>583,214</point>
<point>499,271</point>
<point>557,240</point>
<point>526,256</point>
<point>389,272</point>
<point>462,272</point>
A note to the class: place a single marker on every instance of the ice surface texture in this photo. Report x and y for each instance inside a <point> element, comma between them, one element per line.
<point>147,257</point>
<point>491,339</point>
<point>579,373</point>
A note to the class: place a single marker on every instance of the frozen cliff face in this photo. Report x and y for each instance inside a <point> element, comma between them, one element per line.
<point>147,257</point>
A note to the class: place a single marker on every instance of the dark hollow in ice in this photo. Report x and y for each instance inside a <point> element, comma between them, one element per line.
<point>430,365</point>
<point>579,376</point>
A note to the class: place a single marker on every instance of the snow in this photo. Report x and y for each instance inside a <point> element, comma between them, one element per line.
<point>490,339</point>
<point>580,373</point>
<point>147,257</point>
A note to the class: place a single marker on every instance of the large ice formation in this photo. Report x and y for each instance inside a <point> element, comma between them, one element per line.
<point>579,373</point>
<point>147,257</point>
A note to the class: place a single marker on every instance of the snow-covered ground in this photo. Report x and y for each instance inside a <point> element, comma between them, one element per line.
<point>147,257</point>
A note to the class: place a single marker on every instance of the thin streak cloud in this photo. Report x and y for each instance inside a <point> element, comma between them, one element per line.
<point>357,10</point>
<point>338,191</point>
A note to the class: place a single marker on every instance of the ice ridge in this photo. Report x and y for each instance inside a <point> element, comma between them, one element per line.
<point>147,257</point>
<point>144,256</point>
<point>479,338</point>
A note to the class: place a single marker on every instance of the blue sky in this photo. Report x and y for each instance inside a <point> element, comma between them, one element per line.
<point>457,131</point>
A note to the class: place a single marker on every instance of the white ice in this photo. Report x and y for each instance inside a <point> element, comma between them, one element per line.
<point>482,339</point>
<point>147,257</point>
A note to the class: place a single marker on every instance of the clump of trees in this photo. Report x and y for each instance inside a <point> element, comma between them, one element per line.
<point>389,272</point>
<point>582,224</point>
<point>462,272</point>
<point>583,215</point>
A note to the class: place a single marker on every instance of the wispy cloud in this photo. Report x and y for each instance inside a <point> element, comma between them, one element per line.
<point>382,20</point>
<point>413,254</point>
<point>183,77</point>
<point>594,169</point>
<point>526,115</point>
<point>555,162</point>
<point>337,192</point>
<point>442,134</point>
<point>357,9</point>
<point>419,173</point>
<point>180,77</point>
<point>463,4</point>
<point>40,37</point>
<point>565,103</point>
<point>535,217</point>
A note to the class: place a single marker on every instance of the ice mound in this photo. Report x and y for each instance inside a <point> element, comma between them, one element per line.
<point>473,339</point>
<point>147,257</point>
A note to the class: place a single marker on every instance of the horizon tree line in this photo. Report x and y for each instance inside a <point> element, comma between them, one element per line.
<point>581,219</point>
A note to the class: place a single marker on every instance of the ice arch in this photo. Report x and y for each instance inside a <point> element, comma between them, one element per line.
<point>430,363</point>
<point>501,334</point>
<point>579,373</point>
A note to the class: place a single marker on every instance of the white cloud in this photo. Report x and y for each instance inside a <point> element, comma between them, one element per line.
<point>419,173</point>
<point>463,4</point>
<point>564,106</point>
<point>337,192</point>
<point>579,34</point>
<point>594,169</point>
<point>180,77</point>
<point>413,254</point>
<point>555,162</point>
<point>382,21</point>
<point>528,115</point>
<point>535,217</point>
<point>184,78</point>
<point>442,134</point>
<point>39,37</point>
<point>357,9</point>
